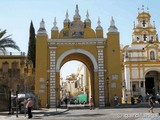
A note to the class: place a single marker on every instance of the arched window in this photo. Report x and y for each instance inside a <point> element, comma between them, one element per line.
<point>144,37</point>
<point>144,23</point>
<point>152,55</point>
<point>137,39</point>
<point>134,87</point>
<point>14,65</point>
<point>14,70</point>
<point>5,66</point>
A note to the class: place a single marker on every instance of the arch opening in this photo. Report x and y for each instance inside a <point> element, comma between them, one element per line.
<point>78,86</point>
<point>152,82</point>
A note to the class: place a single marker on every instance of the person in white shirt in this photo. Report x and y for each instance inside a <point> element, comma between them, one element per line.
<point>29,107</point>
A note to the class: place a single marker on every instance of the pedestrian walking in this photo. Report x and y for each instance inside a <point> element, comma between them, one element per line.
<point>91,104</point>
<point>116,100</point>
<point>29,107</point>
<point>126,99</point>
<point>151,103</point>
<point>66,101</point>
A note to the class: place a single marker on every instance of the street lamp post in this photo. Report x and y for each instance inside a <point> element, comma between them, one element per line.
<point>10,107</point>
<point>47,105</point>
<point>107,80</point>
<point>56,89</point>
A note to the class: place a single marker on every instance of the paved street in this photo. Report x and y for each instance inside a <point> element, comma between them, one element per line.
<point>86,114</point>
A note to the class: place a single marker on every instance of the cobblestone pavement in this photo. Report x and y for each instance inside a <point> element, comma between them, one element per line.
<point>86,114</point>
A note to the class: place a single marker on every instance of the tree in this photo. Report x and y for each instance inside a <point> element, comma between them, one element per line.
<point>32,45</point>
<point>6,42</point>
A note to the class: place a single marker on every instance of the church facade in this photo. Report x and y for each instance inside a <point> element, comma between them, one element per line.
<point>78,41</point>
<point>141,59</point>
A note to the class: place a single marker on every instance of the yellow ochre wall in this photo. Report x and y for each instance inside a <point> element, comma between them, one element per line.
<point>113,63</point>
<point>41,67</point>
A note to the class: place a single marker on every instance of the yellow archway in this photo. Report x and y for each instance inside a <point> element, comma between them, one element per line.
<point>78,41</point>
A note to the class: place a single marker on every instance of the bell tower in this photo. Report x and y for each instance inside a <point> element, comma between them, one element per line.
<point>144,31</point>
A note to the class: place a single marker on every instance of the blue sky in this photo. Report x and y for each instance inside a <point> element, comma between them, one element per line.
<point>16,15</point>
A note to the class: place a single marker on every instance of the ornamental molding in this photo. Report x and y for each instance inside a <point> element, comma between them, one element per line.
<point>99,41</point>
<point>92,58</point>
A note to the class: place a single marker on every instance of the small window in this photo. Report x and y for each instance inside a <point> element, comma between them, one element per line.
<point>144,24</point>
<point>152,39</point>
<point>141,84</point>
<point>5,66</point>
<point>134,87</point>
<point>76,85</point>
<point>137,38</point>
<point>152,55</point>
<point>144,37</point>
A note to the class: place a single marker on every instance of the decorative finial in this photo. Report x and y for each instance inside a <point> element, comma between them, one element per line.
<point>147,9</point>
<point>67,17</point>
<point>87,15</point>
<point>99,22</point>
<point>154,24</point>
<point>42,24</point>
<point>112,27</point>
<point>99,27</point>
<point>143,7</point>
<point>55,24</point>
<point>77,13</point>
<point>138,10</point>
<point>112,23</point>
<point>42,29</point>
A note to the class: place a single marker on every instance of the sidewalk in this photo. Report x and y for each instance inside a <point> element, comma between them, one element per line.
<point>139,105</point>
<point>38,114</point>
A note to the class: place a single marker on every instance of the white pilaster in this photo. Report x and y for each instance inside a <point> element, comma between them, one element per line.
<point>101,75</point>
<point>53,78</point>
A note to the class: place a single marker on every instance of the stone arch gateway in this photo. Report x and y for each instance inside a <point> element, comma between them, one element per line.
<point>78,41</point>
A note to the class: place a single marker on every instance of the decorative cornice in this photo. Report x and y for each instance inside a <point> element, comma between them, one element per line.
<point>100,41</point>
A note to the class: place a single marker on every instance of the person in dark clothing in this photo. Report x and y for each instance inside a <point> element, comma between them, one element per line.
<point>66,101</point>
<point>151,103</point>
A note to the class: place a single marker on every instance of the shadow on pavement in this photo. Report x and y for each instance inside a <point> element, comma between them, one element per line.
<point>86,115</point>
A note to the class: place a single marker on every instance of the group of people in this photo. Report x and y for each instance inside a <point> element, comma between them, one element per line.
<point>151,101</point>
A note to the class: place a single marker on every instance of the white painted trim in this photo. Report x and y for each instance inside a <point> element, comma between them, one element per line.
<point>79,40</point>
<point>100,47</point>
<point>59,60</point>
